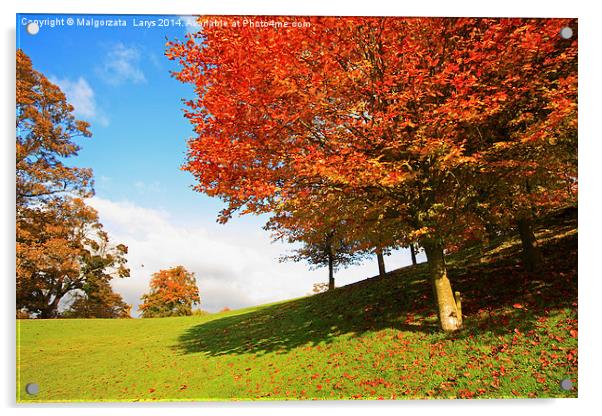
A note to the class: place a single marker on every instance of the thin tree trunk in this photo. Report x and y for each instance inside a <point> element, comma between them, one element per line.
<point>381,263</point>
<point>50,309</point>
<point>413,253</point>
<point>330,270</point>
<point>532,257</point>
<point>449,317</point>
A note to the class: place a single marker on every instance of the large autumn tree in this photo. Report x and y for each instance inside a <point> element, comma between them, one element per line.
<point>173,292</point>
<point>403,114</point>
<point>528,155</point>
<point>61,249</point>
<point>46,128</point>
<point>60,244</point>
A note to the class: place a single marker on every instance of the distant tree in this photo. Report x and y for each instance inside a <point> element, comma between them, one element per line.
<point>98,301</point>
<point>320,229</point>
<point>173,292</point>
<point>324,250</point>
<point>225,309</point>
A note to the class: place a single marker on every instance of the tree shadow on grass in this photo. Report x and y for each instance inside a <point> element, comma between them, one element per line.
<point>370,305</point>
<point>402,300</point>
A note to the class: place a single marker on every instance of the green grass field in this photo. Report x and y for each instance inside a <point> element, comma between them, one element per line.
<point>375,339</point>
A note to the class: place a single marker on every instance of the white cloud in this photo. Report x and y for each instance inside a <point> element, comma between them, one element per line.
<point>235,266</point>
<point>81,96</point>
<point>121,65</point>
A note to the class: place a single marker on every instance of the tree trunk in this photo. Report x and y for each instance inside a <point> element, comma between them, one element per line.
<point>413,253</point>
<point>51,308</point>
<point>49,312</point>
<point>330,270</point>
<point>449,317</point>
<point>381,263</point>
<point>532,258</point>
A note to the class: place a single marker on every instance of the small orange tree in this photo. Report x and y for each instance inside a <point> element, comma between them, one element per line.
<point>173,292</point>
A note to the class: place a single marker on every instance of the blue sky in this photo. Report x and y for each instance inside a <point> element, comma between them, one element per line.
<point>139,134</point>
<point>118,79</point>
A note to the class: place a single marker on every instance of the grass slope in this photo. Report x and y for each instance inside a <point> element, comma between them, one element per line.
<point>375,339</point>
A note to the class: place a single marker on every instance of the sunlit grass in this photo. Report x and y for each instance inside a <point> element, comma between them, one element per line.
<point>376,339</point>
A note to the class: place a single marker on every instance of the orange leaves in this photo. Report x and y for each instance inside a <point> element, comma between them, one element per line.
<point>45,131</point>
<point>393,178</point>
<point>571,356</point>
<point>415,135</point>
<point>173,292</point>
<point>466,394</point>
<point>375,383</point>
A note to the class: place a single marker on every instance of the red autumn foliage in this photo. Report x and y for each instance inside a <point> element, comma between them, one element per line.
<point>427,130</point>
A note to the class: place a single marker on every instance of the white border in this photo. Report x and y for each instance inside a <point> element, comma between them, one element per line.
<point>590,153</point>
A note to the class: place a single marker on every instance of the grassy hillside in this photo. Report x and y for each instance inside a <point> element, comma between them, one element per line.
<point>375,339</point>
